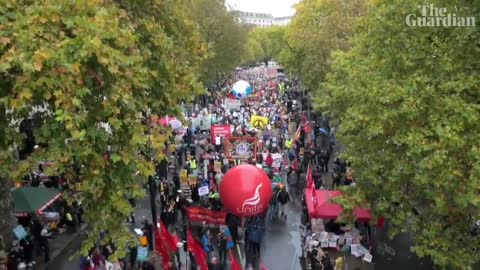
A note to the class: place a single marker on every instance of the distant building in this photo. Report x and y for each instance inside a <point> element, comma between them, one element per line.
<point>282,20</point>
<point>260,19</point>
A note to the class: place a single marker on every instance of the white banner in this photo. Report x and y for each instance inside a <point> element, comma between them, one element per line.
<point>277,159</point>
<point>232,104</point>
<point>201,122</point>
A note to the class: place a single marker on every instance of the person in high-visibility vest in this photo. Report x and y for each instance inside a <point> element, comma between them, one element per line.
<point>288,143</point>
<point>193,164</point>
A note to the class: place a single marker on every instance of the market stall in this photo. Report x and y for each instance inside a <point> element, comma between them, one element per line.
<point>325,234</point>
<point>33,200</point>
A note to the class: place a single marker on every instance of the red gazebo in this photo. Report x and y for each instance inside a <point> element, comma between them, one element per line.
<point>325,209</point>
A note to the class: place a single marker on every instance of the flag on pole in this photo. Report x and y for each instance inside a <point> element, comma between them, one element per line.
<point>194,247</point>
<point>170,241</point>
<point>235,264</point>
<point>161,249</point>
<point>314,195</point>
<point>310,183</point>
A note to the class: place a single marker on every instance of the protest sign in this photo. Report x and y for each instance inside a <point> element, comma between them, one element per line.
<point>259,122</point>
<point>232,104</point>
<point>203,191</point>
<point>222,131</point>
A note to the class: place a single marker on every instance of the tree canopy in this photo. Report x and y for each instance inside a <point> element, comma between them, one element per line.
<point>318,28</point>
<point>408,103</point>
<point>95,66</point>
<point>226,38</point>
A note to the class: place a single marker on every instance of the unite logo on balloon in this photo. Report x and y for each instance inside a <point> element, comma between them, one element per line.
<point>252,205</point>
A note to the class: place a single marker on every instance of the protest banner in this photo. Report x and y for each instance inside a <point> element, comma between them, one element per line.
<point>241,148</point>
<point>277,159</point>
<point>232,104</point>
<point>222,131</point>
<point>201,214</point>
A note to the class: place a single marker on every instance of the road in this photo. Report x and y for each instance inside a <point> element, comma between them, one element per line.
<point>281,247</point>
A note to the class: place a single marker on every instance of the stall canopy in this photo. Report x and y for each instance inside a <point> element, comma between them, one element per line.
<point>33,199</point>
<point>326,209</point>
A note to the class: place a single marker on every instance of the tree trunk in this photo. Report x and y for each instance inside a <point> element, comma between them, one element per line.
<point>7,222</point>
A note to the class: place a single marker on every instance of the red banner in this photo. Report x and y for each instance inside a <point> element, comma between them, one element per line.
<point>201,214</point>
<point>222,131</point>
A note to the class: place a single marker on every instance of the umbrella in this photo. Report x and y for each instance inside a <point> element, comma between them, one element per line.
<point>241,89</point>
<point>34,199</point>
<point>322,130</point>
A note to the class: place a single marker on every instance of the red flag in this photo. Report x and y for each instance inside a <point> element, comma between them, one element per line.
<point>162,251</point>
<point>307,127</point>
<point>235,264</point>
<point>310,183</point>
<point>168,239</point>
<point>381,222</point>
<point>194,247</point>
<point>314,195</point>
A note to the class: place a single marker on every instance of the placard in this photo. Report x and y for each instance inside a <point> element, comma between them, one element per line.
<point>201,122</point>
<point>232,104</point>
<point>324,243</point>
<point>176,124</point>
<point>20,232</point>
<point>258,122</point>
<point>217,166</point>
<point>203,191</point>
<point>332,243</point>
<point>142,254</point>
<point>368,257</point>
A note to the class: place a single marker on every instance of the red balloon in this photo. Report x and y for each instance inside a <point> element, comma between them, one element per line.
<point>245,191</point>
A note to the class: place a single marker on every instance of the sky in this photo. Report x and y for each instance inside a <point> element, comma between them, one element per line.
<point>277,8</point>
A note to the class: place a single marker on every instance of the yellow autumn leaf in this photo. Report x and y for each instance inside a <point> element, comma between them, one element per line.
<point>15,104</point>
<point>38,59</point>
<point>25,94</point>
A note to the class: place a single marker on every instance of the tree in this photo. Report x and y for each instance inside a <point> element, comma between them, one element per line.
<point>407,99</point>
<point>222,33</point>
<point>254,52</point>
<point>318,28</point>
<point>271,39</point>
<point>92,64</point>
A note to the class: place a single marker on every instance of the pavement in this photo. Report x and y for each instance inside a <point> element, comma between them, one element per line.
<point>64,250</point>
<point>58,246</point>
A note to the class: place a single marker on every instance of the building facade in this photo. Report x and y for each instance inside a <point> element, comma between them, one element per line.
<point>260,19</point>
<point>282,20</point>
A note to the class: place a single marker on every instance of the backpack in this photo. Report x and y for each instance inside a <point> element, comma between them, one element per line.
<point>283,197</point>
